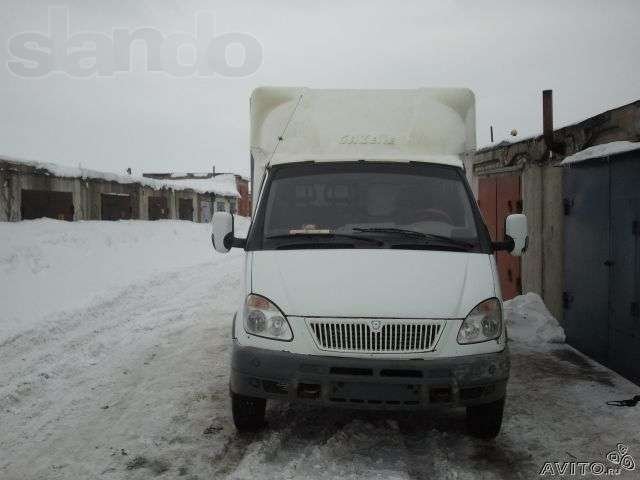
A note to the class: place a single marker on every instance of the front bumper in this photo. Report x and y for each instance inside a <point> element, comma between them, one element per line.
<point>369,383</point>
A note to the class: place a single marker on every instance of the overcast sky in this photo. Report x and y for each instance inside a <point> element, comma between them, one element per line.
<point>588,52</point>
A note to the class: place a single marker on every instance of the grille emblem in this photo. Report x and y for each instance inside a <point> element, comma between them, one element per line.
<point>375,326</point>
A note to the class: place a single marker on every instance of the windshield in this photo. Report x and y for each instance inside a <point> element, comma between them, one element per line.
<point>366,205</point>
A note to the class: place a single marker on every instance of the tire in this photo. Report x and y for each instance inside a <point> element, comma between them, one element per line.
<point>484,421</point>
<point>248,412</point>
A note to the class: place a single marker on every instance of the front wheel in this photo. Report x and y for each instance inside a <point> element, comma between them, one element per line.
<point>248,412</point>
<point>484,421</point>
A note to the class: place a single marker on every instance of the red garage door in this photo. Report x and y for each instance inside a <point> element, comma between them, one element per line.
<point>498,197</point>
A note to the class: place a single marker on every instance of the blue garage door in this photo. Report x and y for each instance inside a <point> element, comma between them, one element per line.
<point>602,261</point>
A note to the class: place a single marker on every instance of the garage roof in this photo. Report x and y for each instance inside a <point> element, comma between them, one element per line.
<point>601,151</point>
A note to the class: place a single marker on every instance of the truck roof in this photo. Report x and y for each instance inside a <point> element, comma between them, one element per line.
<point>293,124</point>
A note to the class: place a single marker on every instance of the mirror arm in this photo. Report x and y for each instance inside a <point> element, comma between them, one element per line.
<point>239,242</point>
<point>507,245</point>
<point>235,242</point>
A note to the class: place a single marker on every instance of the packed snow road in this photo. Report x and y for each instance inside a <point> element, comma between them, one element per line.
<point>131,383</point>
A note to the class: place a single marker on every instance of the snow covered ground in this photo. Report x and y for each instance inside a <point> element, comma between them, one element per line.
<point>122,374</point>
<point>48,266</point>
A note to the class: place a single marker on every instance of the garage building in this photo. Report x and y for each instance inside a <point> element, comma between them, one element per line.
<point>30,190</point>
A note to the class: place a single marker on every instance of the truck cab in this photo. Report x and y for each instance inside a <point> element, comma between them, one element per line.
<point>370,277</point>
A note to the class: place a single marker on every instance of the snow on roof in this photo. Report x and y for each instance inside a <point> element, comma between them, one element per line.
<point>183,175</point>
<point>507,142</point>
<point>224,185</point>
<point>599,151</point>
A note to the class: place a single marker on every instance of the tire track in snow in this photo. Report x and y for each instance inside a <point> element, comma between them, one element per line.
<point>321,443</point>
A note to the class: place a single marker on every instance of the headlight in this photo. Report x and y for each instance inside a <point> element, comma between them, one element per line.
<point>263,319</point>
<point>483,323</point>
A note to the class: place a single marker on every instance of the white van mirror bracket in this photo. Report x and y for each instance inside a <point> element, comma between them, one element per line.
<point>222,233</point>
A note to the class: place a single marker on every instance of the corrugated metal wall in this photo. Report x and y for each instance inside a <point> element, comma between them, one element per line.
<point>602,261</point>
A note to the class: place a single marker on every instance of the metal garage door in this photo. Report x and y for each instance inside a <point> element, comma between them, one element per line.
<point>45,203</point>
<point>625,269</point>
<point>498,197</point>
<point>185,209</point>
<point>602,261</point>
<point>115,207</point>
<point>158,208</point>
<point>586,270</point>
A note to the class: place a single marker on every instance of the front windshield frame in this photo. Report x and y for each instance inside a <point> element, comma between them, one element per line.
<point>256,235</point>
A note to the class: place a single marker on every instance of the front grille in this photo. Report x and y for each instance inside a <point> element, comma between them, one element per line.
<point>375,336</point>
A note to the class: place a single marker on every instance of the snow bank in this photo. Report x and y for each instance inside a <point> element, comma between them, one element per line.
<point>224,184</point>
<point>529,321</point>
<point>598,151</point>
<point>48,266</point>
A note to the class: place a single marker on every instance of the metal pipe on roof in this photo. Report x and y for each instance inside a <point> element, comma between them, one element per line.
<point>547,118</point>
<point>547,124</point>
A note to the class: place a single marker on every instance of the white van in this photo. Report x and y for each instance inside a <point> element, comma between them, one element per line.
<point>370,278</point>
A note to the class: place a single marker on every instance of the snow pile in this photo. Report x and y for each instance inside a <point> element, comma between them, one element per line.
<point>599,151</point>
<point>529,321</point>
<point>219,185</point>
<point>48,266</point>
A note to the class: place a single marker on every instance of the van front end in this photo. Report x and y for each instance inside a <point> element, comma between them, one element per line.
<point>375,328</point>
<point>377,363</point>
<point>369,285</point>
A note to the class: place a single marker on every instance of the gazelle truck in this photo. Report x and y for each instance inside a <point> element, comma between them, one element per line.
<point>370,278</point>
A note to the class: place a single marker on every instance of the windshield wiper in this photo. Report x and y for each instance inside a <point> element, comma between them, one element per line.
<point>323,236</point>
<point>441,239</point>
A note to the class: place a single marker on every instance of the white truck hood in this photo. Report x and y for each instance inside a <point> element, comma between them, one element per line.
<point>373,283</point>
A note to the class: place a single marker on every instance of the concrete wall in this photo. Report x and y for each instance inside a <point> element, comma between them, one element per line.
<point>6,196</point>
<point>542,271</point>
<point>531,265</point>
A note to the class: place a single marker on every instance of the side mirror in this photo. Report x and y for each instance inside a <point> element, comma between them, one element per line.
<point>516,235</point>
<point>515,230</point>
<point>222,231</point>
